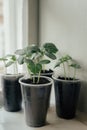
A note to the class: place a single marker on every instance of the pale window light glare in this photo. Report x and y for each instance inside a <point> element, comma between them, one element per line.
<point>11,30</point>
<point>2,38</point>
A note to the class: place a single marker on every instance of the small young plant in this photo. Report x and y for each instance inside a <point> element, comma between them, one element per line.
<point>70,63</point>
<point>3,59</point>
<point>49,50</point>
<point>33,57</point>
<point>30,57</point>
<point>75,66</point>
<point>8,60</point>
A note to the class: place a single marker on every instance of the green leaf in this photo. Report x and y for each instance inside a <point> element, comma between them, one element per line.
<point>44,62</point>
<point>34,68</point>
<point>58,64</point>
<point>20,52</point>
<point>76,66</point>
<point>65,58</point>
<point>38,68</point>
<point>27,60</point>
<point>68,57</point>
<point>3,59</point>
<point>31,66</point>
<point>28,51</point>
<point>13,58</point>
<point>20,60</point>
<point>50,48</point>
<point>50,55</point>
<point>9,55</point>
<point>34,49</point>
<point>9,63</point>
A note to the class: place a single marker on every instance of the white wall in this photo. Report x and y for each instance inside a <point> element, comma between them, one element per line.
<point>64,22</point>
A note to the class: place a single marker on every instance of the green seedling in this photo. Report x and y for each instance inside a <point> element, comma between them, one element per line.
<point>33,57</point>
<point>75,66</point>
<point>49,50</point>
<point>70,63</point>
<point>8,60</point>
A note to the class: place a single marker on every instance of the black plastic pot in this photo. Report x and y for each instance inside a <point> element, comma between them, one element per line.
<point>36,100</point>
<point>12,92</point>
<point>66,96</point>
<point>47,73</point>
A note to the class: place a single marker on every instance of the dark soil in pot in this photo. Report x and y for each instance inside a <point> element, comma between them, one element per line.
<point>12,93</point>
<point>30,81</point>
<point>66,95</point>
<point>67,78</point>
<point>36,99</point>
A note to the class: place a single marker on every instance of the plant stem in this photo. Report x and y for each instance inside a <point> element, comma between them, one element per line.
<point>68,69</point>
<point>38,77</point>
<point>74,73</point>
<point>5,67</point>
<point>28,71</point>
<point>44,68</point>
<point>16,68</point>
<point>64,71</point>
<point>33,79</point>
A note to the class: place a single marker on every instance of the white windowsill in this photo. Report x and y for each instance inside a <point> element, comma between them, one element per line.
<point>16,121</point>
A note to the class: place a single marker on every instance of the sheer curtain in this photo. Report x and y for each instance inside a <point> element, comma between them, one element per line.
<point>15,22</point>
<point>15,25</point>
<point>12,28</point>
<point>20,20</point>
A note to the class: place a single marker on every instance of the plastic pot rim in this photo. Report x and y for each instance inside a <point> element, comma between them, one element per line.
<point>67,81</point>
<point>36,85</point>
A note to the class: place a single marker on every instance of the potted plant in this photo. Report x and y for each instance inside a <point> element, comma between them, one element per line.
<point>48,50</point>
<point>44,54</point>
<point>67,88</point>
<point>11,88</point>
<point>35,88</point>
